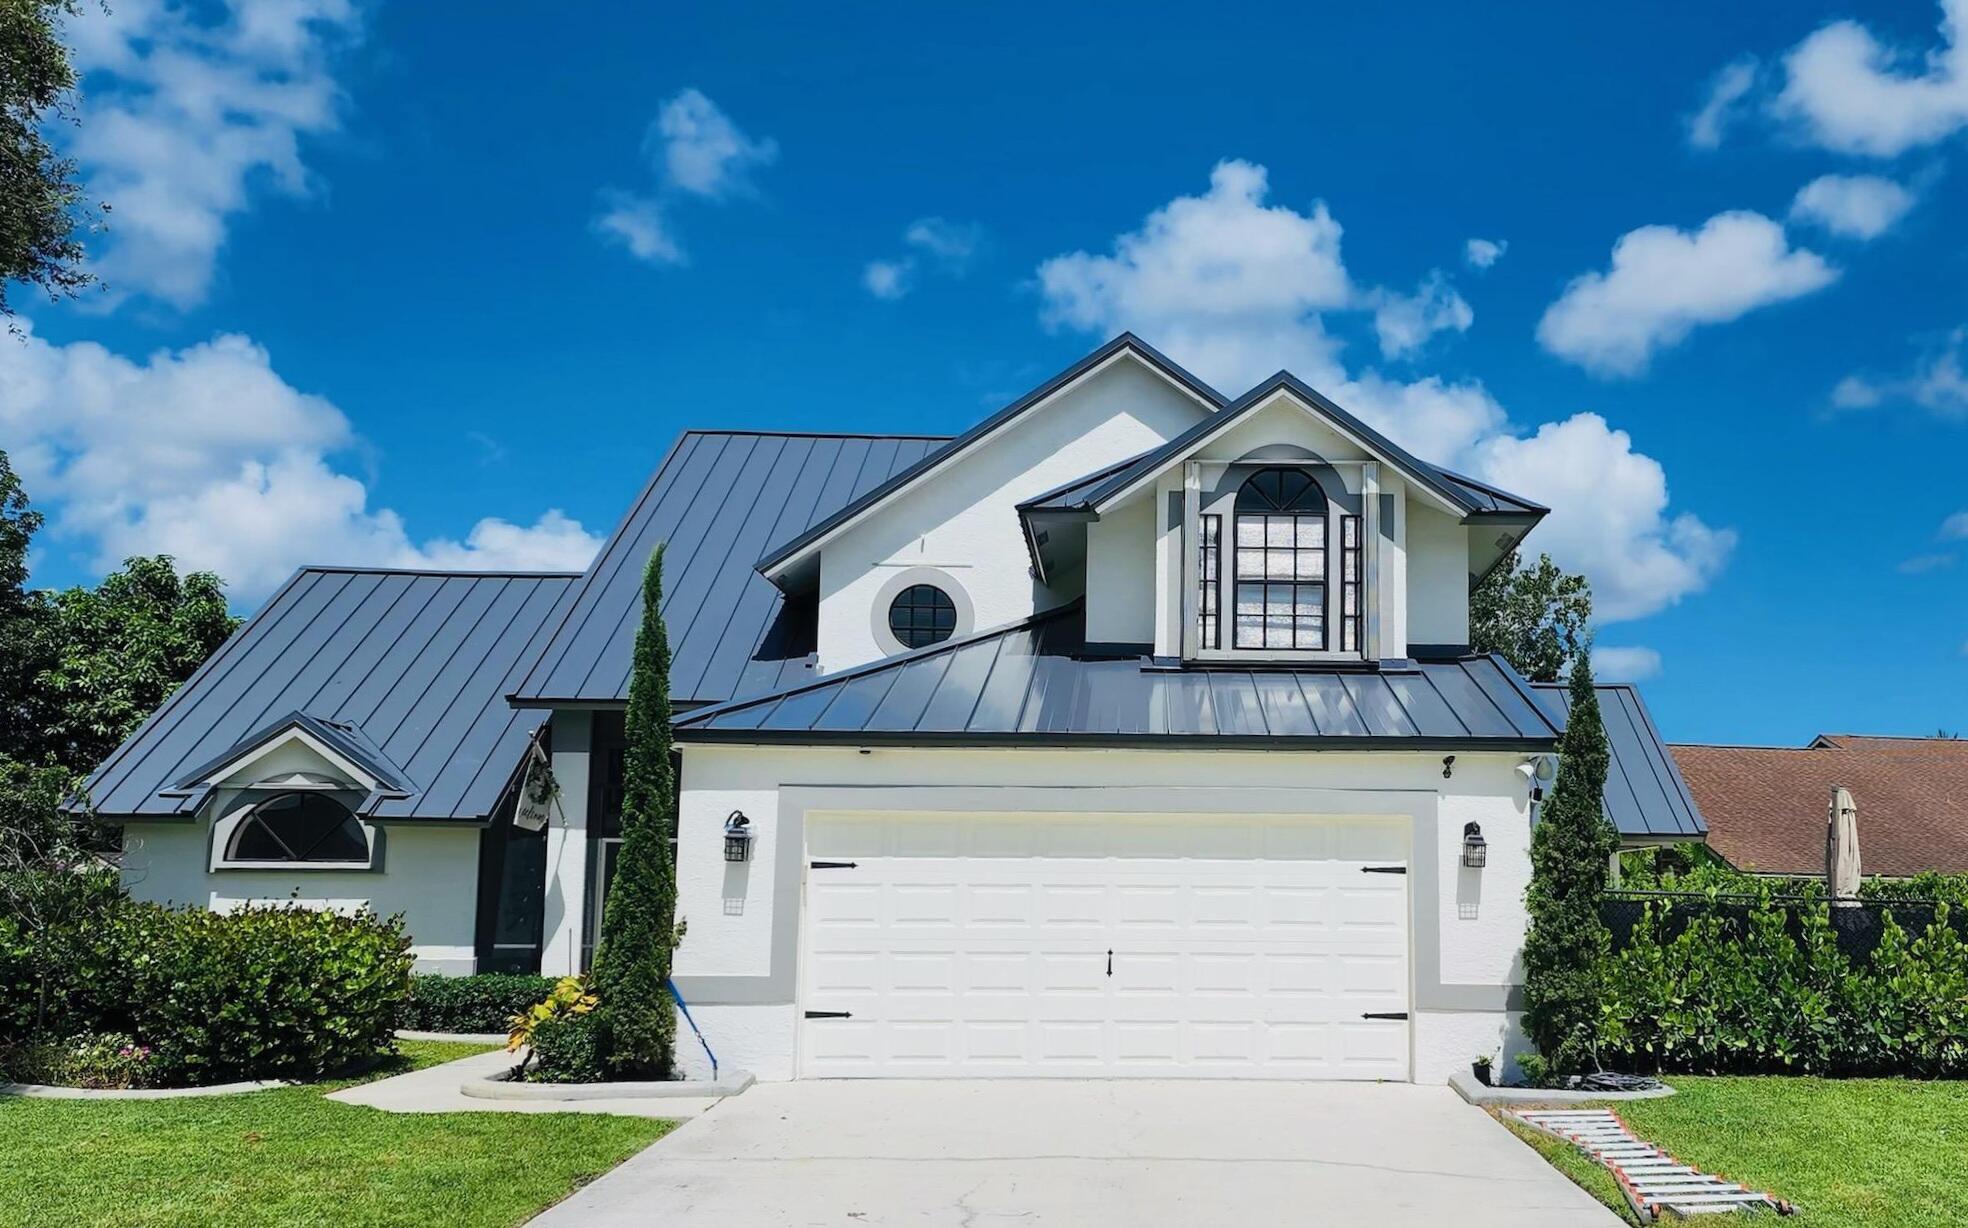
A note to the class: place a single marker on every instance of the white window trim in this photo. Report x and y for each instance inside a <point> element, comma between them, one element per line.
<point>1193,510</point>
<point>226,826</point>
<point>909,577</point>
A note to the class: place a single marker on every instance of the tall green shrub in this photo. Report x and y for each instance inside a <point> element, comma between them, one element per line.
<point>636,1020</point>
<point>1570,851</point>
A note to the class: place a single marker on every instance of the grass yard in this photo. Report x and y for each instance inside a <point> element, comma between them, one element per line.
<point>1851,1153</point>
<point>290,1156</point>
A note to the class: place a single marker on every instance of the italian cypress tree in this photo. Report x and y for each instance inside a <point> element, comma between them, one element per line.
<point>636,1019</point>
<point>1565,949</point>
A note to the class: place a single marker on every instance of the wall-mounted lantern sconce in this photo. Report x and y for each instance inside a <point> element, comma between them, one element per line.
<point>737,837</point>
<point>1475,849</point>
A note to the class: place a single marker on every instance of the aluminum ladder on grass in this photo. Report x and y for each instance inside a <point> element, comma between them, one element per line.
<point>1650,1178</point>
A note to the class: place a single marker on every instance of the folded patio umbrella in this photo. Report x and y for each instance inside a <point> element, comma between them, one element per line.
<point>1842,847</point>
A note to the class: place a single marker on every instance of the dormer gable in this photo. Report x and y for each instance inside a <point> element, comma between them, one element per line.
<point>299,752</point>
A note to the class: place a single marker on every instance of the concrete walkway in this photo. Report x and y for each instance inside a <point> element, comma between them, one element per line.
<point>1070,1154</point>
<point>435,1090</point>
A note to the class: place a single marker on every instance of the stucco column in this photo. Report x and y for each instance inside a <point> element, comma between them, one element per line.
<point>567,845</point>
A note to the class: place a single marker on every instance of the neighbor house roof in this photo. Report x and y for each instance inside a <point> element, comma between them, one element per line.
<point>1767,806</point>
<point>1646,796</point>
<point>720,499</point>
<point>786,551</point>
<point>404,671</point>
<point>1034,682</point>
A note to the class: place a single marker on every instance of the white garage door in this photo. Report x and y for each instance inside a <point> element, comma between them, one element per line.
<point>1107,946</point>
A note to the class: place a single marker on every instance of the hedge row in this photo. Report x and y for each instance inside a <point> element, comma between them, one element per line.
<point>1768,991</point>
<point>483,1003</point>
<point>286,992</point>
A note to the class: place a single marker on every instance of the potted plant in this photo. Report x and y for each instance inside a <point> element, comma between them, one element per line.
<point>1480,1067</point>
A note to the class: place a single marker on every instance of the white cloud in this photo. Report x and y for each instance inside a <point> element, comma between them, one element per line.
<point>1727,94</point>
<point>181,119</point>
<point>1625,664</point>
<point>1232,284</point>
<point>887,279</point>
<point>637,223</point>
<point>939,244</point>
<point>1663,282</point>
<point>207,454</point>
<point>1937,384</point>
<point>1234,288</point>
<point>1855,206</point>
<point>1482,253</point>
<point>702,151</point>
<point>1602,491</point>
<point>1846,91</point>
<point>1405,322</point>
<point>1955,527</point>
<point>1921,564</point>
<point>951,242</point>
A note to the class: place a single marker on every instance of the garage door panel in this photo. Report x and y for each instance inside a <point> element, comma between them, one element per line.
<point>978,945</point>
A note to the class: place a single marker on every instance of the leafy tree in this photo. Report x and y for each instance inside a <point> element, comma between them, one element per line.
<point>1535,616</point>
<point>1571,848</point>
<point>120,649</point>
<point>638,926</point>
<point>39,244</point>
<point>23,643</point>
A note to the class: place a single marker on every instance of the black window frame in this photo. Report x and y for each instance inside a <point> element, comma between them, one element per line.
<point>919,600</point>
<point>257,817</point>
<point>1291,494</point>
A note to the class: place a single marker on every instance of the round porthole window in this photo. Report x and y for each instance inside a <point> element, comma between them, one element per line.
<point>922,614</point>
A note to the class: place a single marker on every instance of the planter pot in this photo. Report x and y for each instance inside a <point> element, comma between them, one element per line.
<point>1482,1072</point>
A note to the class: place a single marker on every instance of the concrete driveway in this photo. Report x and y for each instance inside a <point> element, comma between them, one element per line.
<point>1068,1154</point>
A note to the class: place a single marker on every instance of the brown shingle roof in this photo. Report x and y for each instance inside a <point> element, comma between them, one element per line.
<point>1765,806</point>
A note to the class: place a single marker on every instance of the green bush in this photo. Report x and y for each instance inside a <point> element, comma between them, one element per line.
<point>1774,994</point>
<point>286,992</point>
<point>566,1049</point>
<point>57,973</point>
<point>482,1003</point>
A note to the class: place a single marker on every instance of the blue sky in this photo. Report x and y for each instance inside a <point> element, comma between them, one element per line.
<point>391,284</point>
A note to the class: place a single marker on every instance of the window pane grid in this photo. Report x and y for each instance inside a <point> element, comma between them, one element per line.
<point>1351,566</point>
<point>1208,573</point>
<point>922,614</point>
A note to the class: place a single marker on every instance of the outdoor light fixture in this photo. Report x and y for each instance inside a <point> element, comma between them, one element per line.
<point>1448,766</point>
<point>737,837</point>
<point>1475,849</point>
<point>1539,771</point>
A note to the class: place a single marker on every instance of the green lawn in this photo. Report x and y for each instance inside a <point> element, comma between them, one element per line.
<point>1851,1153</point>
<point>291,1156</point>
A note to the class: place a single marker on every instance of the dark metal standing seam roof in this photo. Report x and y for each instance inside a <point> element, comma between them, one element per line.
<point>1024,684</point>
<point>416,665</point>
<point>1645,795</point>
<point>720,499</point>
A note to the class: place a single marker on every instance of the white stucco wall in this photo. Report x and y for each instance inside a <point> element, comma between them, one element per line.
<point>1120,575</point>
<point>963,522</point>
<point>738,961</point>
<point>428,873</point>
<point>1438,578</point>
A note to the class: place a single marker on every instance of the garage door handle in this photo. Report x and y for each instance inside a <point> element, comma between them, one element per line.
<point>830,1014</point>
<point>1383,1014</point>
<point>1383,869</point>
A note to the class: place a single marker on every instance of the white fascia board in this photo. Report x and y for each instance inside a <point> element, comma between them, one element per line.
<point>1147,479</point>
<point>328,754</point>
<point>1126,352</point>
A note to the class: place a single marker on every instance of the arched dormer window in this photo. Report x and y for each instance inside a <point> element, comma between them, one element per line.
<point>299,827</point>
<point>1281,549</point>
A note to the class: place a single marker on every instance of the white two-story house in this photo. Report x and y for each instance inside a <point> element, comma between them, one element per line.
<point>1133,732</point>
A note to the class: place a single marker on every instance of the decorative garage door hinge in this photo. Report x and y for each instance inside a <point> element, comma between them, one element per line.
<point>830,1014</point>
<point>1383,869</point>
<point>1383,1014</point>
<point>831,865</point>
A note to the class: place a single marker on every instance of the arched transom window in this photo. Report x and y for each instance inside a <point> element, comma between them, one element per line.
<point>1280,573</point>
<point>306,827</point>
